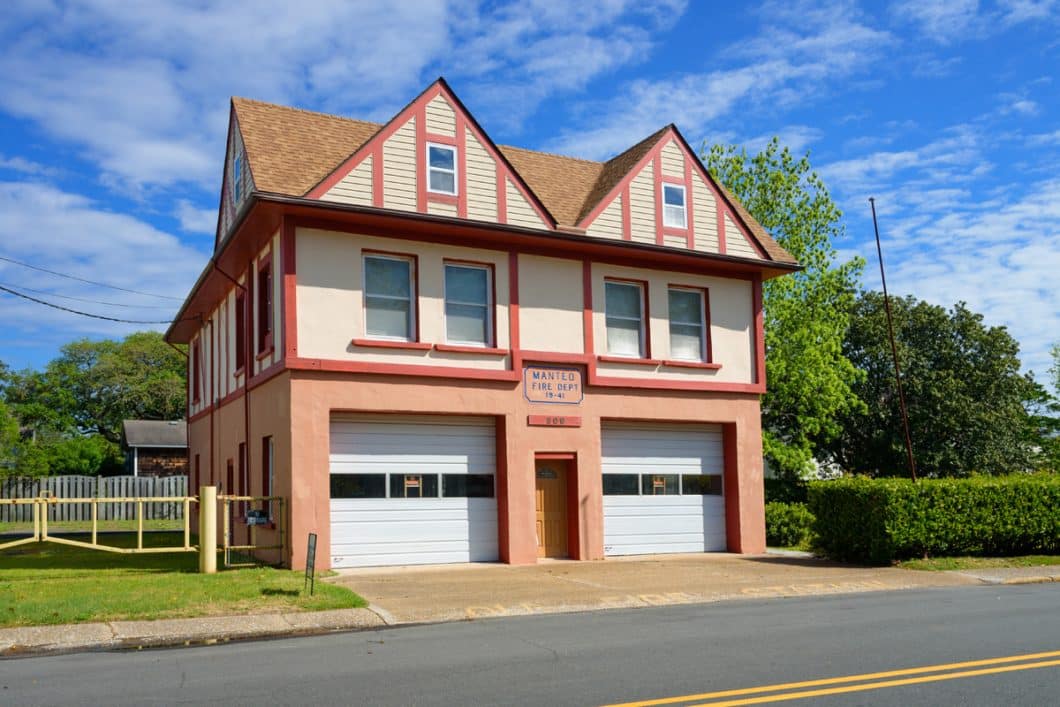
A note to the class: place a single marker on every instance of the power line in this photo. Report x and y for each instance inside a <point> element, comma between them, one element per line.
<point>90,282</point>
<point>90,301</point>
<point>89,314</point>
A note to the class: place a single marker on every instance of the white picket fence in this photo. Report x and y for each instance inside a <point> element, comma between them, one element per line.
<point>95,487</point>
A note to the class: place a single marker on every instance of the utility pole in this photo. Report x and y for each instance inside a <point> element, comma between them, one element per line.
<point>894,348</point>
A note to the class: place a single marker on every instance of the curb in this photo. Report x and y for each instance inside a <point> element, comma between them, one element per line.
<point>115,635</point>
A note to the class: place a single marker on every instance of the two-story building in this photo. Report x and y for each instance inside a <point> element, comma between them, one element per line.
<point>444,350</point>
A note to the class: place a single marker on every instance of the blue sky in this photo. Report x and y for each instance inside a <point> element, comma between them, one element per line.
<point>113,119</point>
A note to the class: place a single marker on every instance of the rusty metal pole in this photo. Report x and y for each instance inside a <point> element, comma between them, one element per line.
<point>894,348</point>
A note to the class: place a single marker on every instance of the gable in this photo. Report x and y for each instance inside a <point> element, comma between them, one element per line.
<point>633,207</point>
<point>391,169</point>
<point>237,180</point>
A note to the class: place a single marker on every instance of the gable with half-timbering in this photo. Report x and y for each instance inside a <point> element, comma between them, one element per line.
<point>433,158</point>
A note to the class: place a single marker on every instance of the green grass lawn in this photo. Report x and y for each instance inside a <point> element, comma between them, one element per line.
<point>85,526</point>
<point>937,564</point>
<point>46,583</point>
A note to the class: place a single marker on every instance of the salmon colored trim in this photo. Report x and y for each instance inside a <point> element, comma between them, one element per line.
<point>553,420</point>
<point>262,355</point>
<point>554,357</point>
<point>331,366</point>
<point>420,150</point>
<point>289,292</point>
<point>689,206</point>
<point>503,514</point>
<point>574,534</point>
<point>630,360</point>
<point>708,352</point>
<point>760,334</point>
<point>730,487</point>
<point>453,348</point>
<point>587,307</point>
<point>569,456</point>
<point>502,197</point>
<point>657,193</point>
<point>666,384</point>
<point>670,179</point>
<point>377,175</point>
<point>436,137</point>
<point>388,344</point>
<point>450,199</point>
<point>623,184</point>
<point>264,377</point>
<point>627,217</point>
<point>461,157</point>
<point>513,309</point>
<point>678,363</point>
<point>721,225</point>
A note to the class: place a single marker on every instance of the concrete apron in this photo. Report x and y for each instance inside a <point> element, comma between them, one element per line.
<point>472,591</point>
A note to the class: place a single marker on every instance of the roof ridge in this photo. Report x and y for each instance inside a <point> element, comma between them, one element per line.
<point>304,110</point>
<point>550,154</point>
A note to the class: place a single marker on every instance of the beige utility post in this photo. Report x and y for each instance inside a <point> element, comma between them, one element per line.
<point>208,529</point>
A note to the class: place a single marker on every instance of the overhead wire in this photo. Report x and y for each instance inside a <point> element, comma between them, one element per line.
<point>90,301</point>
<point>90,282</point>
<point>16,293</point>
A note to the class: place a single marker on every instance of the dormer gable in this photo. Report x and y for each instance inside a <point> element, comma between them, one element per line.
<point>434,158</point>
<point>237,180</point>
<point>658,192</point>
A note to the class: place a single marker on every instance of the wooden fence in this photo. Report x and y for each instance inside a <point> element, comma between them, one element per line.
<point>95,487</point>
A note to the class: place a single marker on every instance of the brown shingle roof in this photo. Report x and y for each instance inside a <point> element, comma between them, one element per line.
<point>290,150</point>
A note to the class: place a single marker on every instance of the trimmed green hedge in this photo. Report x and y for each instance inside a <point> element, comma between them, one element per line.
<point>787,524</point>
<point>785,490</point>
<point>882,520</point>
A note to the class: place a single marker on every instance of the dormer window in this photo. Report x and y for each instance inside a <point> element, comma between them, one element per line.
<point>674,214</point>
<point>441,169</point>
<point>237,178</point>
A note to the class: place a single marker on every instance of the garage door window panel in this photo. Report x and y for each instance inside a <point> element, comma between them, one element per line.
<point>467,485</point>
<point>624,316</point>
<point>413,486</point>
<point>687,324</point>
<point>468,305</point>
<point>659,485</point>
<point>701,484</point>
<point>358,485</point>
<point>389,297</point>
<point>621,484</point>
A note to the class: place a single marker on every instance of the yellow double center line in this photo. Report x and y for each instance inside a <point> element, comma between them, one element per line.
<point>869,681</point>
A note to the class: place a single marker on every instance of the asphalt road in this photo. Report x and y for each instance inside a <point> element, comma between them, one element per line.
<point>612,657</point>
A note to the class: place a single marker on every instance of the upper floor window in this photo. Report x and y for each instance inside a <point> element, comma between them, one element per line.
<point>389,294</point>
<point>265,305</point>
<point>237,178</point>
<point>674,214</point>
<point>241,331</point>
<point>624,316</point>
<point>441,169</point>
<point>196,373</point>
<point>468,305</point>
<point>687,324</point>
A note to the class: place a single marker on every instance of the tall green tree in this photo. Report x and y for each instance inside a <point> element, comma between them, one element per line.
<point>969,405</point>
<point>806,314</point>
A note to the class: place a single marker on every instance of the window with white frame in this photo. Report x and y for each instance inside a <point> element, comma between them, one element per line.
<point>389,295</point>
<point>468,309</point>
<point>624,316</point>
<point>674,215</point>
<point>441,169</point>
<point>687,324</point>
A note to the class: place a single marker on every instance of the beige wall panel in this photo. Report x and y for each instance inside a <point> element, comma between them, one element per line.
<point>481,181</point>
<point>706,216</point>
<point>550,304</point>
<point>331,307</point>
<point>736,243</point>
<point>441,118</point>
<point>399,168</point>
<point>675,241</point>
<point>608,223</point>
<point>520,213</point>
<point>731,327</point>
<point>673,160</point>
<point>642,205</point>
<point>441,209</point>
<point>355,187</point>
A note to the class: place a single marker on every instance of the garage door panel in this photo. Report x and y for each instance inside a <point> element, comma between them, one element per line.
<point>649,524</point>
<point>389,531</point>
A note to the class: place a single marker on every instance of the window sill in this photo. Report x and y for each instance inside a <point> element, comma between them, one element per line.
<point>384,344</point>
<point>460,348</point>
<point>629,360</point>
<point>239,371</point>
<point>677,363</point>
<point>264,354</point>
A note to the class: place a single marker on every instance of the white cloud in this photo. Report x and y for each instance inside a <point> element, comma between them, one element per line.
<point>195,220</point>
<point>69,233</point>
<point>21,164</point>
<point>943,21</point>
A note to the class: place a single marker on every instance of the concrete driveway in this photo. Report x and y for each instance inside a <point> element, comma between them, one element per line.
<point>457,592</point>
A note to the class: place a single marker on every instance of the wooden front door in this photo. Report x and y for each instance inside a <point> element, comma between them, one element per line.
<point>551,503</point>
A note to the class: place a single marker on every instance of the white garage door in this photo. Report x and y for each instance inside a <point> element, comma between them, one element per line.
<point>408,490</point>
<point>662,488</point>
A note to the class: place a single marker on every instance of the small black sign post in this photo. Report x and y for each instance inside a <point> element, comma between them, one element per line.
<point>310,563</point>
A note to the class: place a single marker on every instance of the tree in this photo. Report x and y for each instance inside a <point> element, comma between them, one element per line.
<point>807,313</point>
<point>100,383</point>
<point>968,402</point>
<point>1055,370</point>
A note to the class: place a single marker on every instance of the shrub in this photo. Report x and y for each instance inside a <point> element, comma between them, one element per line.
<point>882,520</point>
<point>787,524</point>
<point>785,489</point>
